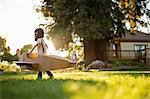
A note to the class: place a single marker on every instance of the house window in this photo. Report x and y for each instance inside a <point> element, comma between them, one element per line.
<point>139,47</point>
<point>140,51</point>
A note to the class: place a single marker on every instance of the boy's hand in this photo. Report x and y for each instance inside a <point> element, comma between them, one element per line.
<point>28,54</point>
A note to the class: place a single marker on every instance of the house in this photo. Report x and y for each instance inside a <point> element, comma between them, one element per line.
<point>131,47</point>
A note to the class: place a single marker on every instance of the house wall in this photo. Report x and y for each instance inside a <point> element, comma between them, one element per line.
<point>130,46</point>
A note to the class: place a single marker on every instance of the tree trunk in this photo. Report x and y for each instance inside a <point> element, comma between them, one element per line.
<point>95,49</point>
<point>101,49</point>
<point>118,49</point>
<point>89,51</point>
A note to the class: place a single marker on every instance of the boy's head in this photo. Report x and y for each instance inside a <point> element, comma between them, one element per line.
<point>39,33</point>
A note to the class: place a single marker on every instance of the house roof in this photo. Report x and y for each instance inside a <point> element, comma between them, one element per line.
<point>135,37</point>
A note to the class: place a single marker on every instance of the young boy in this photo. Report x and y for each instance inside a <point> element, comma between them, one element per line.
<point>41,48</point>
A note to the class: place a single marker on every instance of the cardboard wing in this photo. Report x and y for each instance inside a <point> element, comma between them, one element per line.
<point>44,62</point>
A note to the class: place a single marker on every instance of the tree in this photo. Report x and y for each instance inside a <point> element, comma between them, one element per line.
<point>5,51</point>
<point>2,45</point>
<point>97,21</point>
<point>7,57</point>
<point>133,10</point>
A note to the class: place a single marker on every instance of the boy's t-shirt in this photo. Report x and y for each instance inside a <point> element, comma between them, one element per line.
<point>41,47</point>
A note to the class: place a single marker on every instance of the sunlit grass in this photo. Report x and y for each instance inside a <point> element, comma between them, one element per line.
<point>77,85</point>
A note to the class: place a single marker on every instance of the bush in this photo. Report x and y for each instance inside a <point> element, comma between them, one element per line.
<point>8,67</point>
<point>117,63</point>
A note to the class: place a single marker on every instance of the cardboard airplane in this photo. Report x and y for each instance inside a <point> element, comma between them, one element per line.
<point>44,62</point>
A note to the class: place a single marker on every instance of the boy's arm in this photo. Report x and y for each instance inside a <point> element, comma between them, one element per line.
<point>46,45</point>
<point>33,48</point>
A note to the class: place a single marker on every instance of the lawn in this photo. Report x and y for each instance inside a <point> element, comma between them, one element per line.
<point>77,85</point>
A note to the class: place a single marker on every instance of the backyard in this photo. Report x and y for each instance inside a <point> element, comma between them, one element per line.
<point>96,49</point>
<point>75,84</point>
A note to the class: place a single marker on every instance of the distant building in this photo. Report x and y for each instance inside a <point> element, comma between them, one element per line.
<point>131,47</point>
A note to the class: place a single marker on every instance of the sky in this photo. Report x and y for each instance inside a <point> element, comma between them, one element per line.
<point>18,20</point>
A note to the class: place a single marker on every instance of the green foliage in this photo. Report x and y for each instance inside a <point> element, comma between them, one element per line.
<point>2,44</point>
<point>7,57</point>
<point>133,10</point>
<point>5,54</point>
<point>26,48</point>
<point>98,19</point>
<point>128,63</point>
<point>77,85</point>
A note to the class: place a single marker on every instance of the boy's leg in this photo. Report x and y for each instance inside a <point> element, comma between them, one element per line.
<point>49,74</point>
<point>39,75</point>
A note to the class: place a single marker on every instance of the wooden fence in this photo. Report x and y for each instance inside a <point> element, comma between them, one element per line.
<point>148,56</point>
<point>141,55</point>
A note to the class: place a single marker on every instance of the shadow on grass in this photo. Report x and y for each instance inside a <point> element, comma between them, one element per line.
<point>43,89</point>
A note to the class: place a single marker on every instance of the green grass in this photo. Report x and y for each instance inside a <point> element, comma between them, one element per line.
<point>77,85</point>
